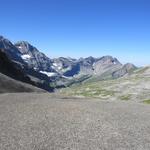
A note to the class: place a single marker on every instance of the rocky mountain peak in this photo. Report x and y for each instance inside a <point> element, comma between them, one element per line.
<point>90,60</point>
<point>2,38</point>
<point>129,66</point>
<point>25,47</point>
<point>11,51</point>
<point>108,60</point>
<point>107,64</point>
<point>63,67</point>
<point>34,58</point>
<point>5,43</point>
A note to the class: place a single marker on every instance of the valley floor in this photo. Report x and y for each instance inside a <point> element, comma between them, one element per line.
<point>46,122</point>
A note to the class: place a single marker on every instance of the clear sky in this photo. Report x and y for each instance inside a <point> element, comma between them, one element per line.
<point>81,28</point>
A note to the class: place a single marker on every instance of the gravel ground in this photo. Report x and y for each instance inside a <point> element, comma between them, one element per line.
<point>44,122</point>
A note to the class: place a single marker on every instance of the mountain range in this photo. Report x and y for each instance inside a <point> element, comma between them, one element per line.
<point>48,73</point>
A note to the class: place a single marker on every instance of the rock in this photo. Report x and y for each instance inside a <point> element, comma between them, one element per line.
<point>11,51</point>
<point>34,58</point>
<point>127,68</point>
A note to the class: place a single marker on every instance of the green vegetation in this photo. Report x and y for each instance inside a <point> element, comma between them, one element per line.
<point>94,89</point>
<point>52,84</point>
<point>146,101</point>
<point>95,93</point>
<point>134,87</point>
<point>125,97</point>
<point>141,70</point>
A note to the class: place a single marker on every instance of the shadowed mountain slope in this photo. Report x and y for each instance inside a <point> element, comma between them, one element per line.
<point>11,74</point>
<point>10,85</point>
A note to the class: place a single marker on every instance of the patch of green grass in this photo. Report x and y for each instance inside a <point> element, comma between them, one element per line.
<point>142,70</point>
<point>94,92</point>
<point>92,89</point>
<point>52,84</point>
<point>146,101</point>
<point>125,97</point>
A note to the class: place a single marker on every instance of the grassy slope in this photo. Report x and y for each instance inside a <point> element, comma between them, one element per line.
<point>135,86</point>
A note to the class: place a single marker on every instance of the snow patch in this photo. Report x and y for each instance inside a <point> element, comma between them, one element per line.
<point>19,47</point>
<point>93,64</point>
<point>59,67</point>
<point>54,64</point>
<point>67,77</point>
<point>53,67</point>
<point>49,74</point>
<point>35,68</point>
<point>26,56</point>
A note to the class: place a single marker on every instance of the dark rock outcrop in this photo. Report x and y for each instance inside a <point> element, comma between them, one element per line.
<point>12,69</point>
<point>10,85</point>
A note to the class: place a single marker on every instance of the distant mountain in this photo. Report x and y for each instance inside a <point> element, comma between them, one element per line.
<point>103,66</point>
<point>89,65</point>
<point>106,63</point>
<point>66,66</point>
<point>60,72</point>
<point>127,68</point>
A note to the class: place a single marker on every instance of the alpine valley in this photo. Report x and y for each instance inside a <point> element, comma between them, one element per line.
<point>35,68</point>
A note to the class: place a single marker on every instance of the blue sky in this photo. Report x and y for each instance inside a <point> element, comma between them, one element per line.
<point>81,28</point>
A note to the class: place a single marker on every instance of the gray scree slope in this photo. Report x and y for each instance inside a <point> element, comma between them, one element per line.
<point>43,122</point>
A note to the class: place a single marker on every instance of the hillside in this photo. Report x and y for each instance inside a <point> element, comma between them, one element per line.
<point>134,87</point>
